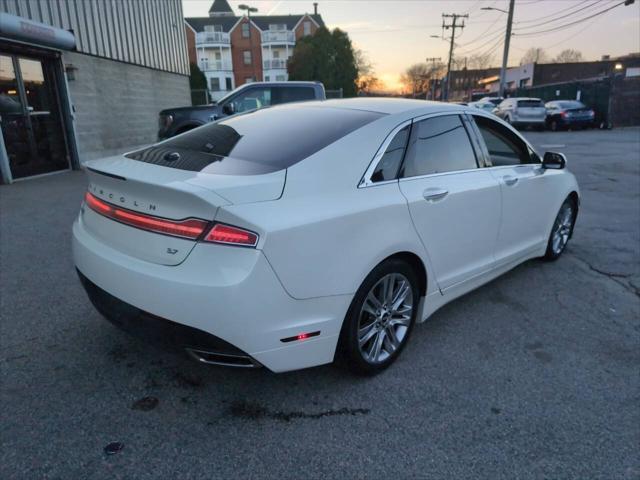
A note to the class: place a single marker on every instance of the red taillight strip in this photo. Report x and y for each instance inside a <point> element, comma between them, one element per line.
<point>191,228</point>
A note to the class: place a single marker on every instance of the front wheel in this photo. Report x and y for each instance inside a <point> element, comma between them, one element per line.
<point>380,318</point>
<point>562,230</point>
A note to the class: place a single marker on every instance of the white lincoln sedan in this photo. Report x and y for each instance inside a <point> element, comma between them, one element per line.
<point>299,234</point>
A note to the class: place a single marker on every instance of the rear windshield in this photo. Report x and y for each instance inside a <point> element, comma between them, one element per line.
<point>530,103</point>
<point>574,104</point>
<point>260,142</point>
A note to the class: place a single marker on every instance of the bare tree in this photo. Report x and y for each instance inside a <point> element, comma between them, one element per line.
<point>417,78</point>
<point>367,79</point>
<point>534,54</point>
<point>569,55</point>
<point>480,61</point>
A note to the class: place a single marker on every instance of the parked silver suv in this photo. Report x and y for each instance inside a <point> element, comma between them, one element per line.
<point>522,112</point>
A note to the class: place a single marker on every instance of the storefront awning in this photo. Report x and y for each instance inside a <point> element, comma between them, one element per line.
<point>35,33</point>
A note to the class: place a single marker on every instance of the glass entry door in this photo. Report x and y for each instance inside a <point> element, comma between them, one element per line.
<point>30,116</point>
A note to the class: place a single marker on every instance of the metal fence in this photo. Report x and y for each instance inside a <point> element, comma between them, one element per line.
<point>334,93</point>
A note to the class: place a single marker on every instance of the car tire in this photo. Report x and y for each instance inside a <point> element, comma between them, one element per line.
<point>562,230</point>
<point>374,333</point>
<point>553,125</point>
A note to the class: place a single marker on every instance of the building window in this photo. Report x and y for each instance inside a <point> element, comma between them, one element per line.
<point>213,28</point>
<point>246,57</point>
<point>306,26</point>
<point>245,30</point>
<point>248,80</point>
<point>267,78</point>
<point>280,78</point>
<point>229,85</point>
<point>218,56</point>
<point>214,84</point>
<point>278,27</point>
<point>275,54</point>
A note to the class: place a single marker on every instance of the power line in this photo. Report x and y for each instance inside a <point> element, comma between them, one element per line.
<point>554,13</point>
<point>482,34</point>
<point>564,17</point>
<point>491,38</point>
<point>560,27</point>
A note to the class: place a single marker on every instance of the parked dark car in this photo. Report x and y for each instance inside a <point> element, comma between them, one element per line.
<point>568,114</point>
<point>249,96</point>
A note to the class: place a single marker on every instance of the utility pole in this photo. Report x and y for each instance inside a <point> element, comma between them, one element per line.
<point>453,25</point>
<point>505,54</point>
<point>433,61</point>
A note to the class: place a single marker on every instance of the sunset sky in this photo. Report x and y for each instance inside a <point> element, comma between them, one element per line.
<point>396,33</point>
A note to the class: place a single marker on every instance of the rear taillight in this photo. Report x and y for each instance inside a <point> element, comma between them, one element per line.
<point>228,234</point>
<point>191,228</point>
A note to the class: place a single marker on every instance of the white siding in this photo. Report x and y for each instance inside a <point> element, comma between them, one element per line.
<point>149,33</point>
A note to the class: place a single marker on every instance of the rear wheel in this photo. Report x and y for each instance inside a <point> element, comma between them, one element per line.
<point>562,230</point>
<point>554,125</point>
<point>380,318</point>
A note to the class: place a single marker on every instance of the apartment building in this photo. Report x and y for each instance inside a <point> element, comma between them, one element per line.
<point>232,50</point>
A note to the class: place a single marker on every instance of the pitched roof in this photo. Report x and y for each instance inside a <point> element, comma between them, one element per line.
<point>262,21</point>
<point>221,6</point>
<point>198,23</point>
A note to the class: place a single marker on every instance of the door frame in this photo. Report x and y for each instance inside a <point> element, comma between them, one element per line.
<point>16,49</point>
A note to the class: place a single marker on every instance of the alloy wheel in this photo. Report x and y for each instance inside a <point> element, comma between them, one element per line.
<point>562,228</point>
<point>385,318</point>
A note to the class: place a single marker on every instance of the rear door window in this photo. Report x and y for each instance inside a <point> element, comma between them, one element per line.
<point>387,168</point>
<point>258,142</point>
<point>437,145</point>
<point>291,94</point>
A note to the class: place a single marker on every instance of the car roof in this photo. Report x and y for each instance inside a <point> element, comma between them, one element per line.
<point>388,106</point>
<point>295,83</point>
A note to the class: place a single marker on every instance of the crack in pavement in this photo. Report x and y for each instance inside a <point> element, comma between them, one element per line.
<point>616,277</point>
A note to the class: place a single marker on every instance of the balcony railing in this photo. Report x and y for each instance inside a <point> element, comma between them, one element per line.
<point>220,38</point>
<point>208,65</point>
<point>276,63</point>
<point>278,37</point>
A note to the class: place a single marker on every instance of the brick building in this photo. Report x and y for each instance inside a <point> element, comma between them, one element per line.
<point>232,50</point>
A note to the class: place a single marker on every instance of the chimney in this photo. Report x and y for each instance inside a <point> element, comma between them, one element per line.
<point>315,8</point>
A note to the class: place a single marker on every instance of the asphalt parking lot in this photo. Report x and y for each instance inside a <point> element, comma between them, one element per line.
<point>535,375</point>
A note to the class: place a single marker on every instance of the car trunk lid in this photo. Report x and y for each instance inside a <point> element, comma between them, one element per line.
<point>143,192</point>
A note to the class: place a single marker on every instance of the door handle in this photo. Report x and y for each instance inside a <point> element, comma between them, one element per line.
<point>510,180</point>
<point>434,194</point>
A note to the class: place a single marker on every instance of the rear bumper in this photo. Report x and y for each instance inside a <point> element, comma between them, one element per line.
<point>221,298</point>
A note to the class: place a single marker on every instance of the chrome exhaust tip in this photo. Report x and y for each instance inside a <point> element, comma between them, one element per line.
<point>224,359</point>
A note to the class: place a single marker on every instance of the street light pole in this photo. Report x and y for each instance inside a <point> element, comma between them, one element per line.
<point>505,54</point>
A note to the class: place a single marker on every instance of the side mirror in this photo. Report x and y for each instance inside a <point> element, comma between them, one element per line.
<point>554,161</point>
<point>228,108</point>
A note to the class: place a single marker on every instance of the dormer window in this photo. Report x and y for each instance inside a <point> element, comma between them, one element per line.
<point>306,27</point>
<point>213,28</point>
